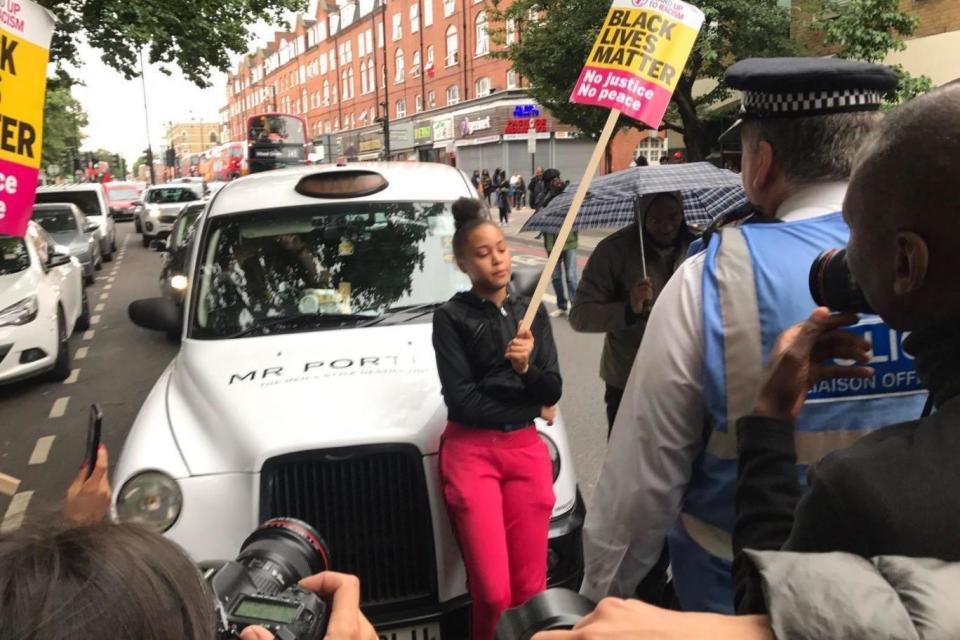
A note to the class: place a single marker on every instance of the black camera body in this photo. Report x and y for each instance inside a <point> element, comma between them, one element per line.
<point>553,609</point>
<point>261,587</point>
<point>833,286</point>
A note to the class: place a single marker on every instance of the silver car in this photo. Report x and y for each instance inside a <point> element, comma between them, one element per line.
<point>162,204</point>
<point>73,234</point>
<point>92,201</point>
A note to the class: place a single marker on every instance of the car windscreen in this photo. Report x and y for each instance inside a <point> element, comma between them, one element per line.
<point>56,220</point>
<point>330,261</point>
<point>14,257</point>
<point>122,193</point>
<point>172,195</point>
<point>87,201</point>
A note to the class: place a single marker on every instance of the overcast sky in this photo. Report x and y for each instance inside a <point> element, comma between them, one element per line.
<point>114,105</point>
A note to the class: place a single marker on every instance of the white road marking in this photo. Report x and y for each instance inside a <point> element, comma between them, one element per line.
<point>107,287</point>
<point>73,377</point>
<point>111,279</point>
<point>60,405</point>
<point>94,319</point>
<point>104,296</point>
<point>81,353</point>
<point>8,484</point>
<point>13,519</point>
<point>88,335</point>
<point>99,307</point>
<point>41,450</point>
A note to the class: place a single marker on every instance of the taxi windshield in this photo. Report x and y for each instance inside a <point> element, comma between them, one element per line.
<point>13,255</point>
<point>323,266</point>
<point>172,195</point>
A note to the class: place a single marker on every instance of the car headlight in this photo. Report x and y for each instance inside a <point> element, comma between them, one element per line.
<point>21,312</point>
<point>151,499</point>
<point>179,282</point>
<point>554,454</point>
<point>154,212</point>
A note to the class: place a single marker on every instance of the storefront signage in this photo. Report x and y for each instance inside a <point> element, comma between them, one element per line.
<point>522,125</point>
<point>401,136</point>
<point>443,128</point>
<point>469,127</point>
<point>526,111</point>
<point>423,132</point>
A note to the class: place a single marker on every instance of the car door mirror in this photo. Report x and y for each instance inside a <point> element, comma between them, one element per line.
<point>57,259</point>
<point>156,314</point>
<point>89,227</point>
<point>159,245</point>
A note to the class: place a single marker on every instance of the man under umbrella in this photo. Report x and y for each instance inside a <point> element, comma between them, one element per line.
<point>671,464</point>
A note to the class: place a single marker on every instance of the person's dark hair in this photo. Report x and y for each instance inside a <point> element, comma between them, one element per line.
<point>100,581</point>
<point>642,161</point>
<point>468,214</point>
<point>815,148</point>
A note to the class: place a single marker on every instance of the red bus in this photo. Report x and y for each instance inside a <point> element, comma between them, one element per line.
<point>232,162</point>
<point>276,140</point>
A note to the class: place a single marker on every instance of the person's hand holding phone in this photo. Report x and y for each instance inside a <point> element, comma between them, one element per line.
<point>89,495</point>
<point>346,621</point>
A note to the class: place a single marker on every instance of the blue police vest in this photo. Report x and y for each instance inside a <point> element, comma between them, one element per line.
<point>755,285</point>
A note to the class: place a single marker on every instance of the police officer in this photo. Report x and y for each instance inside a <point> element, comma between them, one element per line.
<point>671,467</point>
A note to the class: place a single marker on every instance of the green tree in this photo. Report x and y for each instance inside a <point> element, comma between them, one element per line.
<point>551,51</point>
<point>194,35</point>
<point>63,121</point>
<point>869,30</point>
<point>142,160</point>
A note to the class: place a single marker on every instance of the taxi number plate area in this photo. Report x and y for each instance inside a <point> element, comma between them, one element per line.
<point>429,631</point>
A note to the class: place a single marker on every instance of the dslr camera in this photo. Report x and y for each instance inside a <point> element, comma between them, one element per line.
<point>260,586</point>
<point>833,286</point>
<point>552,609</point>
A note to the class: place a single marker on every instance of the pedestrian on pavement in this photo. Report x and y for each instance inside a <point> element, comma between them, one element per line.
<point>565,273</point>
<point>521,200</point>
<point>902,253</point>
<point>664,159</point>
<point>475,179</point>
<point>487,184</point>
<point>503,201</point>
<point>536,187</point>
<point>515,181</point>
<point>641,161</point>
<point>496,470</point>
<point>617,291</point>
<point>666,474</point>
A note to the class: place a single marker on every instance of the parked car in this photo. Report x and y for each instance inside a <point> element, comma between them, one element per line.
<point>73,233</point>
<point>176,248</point>
<point>42,301</point>
<point>162,204</point>
<point>123,198</point>
<point>306,386</point>
<point>91,198</point>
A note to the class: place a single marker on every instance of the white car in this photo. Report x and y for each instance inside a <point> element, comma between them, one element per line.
<point>42,301</point>
<point>91,198</point>
<point>161,204</point>
<point>306,386</point>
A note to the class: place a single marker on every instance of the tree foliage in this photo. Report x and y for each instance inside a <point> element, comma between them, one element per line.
<point>194,35</point>
<point>551,52</point>
<point>63,120</point>
<point>869,30</point>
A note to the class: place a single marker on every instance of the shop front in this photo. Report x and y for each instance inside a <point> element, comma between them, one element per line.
<point>401,141</point>
<point>443,140</point>
<point>423,140</point>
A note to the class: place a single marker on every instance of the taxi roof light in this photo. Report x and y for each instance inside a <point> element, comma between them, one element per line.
<point>352,183</point>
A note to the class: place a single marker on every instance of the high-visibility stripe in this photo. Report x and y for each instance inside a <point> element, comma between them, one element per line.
<point>742,346</point>
<point>711,539</point>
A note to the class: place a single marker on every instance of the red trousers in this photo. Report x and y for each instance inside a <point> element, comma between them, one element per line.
<point>498,488</point>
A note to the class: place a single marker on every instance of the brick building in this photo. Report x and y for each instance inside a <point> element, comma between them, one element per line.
<point>931,51</point>
<point>426,65</point>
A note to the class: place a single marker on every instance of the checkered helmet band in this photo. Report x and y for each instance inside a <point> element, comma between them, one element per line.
<point>763,104</point>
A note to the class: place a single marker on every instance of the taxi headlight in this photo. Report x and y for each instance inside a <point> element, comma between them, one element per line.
<point>179,282</point>
<point>554,454</point>
<point>154,212</point>
<point>151,499</point>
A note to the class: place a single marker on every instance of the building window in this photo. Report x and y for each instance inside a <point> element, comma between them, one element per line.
<point>511,79</point>
<point>431,99</point>
<point>429,65</point>
<point>401,108</point>
<point>511,30</point>
<point>398,66</point>
<point>414,18</point>
<point>323,64</point>
<point>481,35</point>
<point>448,7</point>
<point>303,101</point>
<point>427,13</point>
<point>347,80</point>
<point>453,94</point>
<point>453,46</point>
<point>397,27</point>
<point>326,93</point>
<point>380,35</point>
<point>534,14</point>
<point>415,65</point>
<point>333,60</point>
<point>481,87</point>
<point>364,88</point>
<point>361,46</point>
<point>652,148</point>
<point>383,75</point>
<point>418,104</point>
<point>372,77</point>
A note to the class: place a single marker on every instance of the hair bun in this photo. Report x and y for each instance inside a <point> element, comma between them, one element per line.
<point>465,211</point>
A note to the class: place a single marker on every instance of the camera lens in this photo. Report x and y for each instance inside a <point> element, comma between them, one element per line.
<point>832,285</point>
<point>281,552</point>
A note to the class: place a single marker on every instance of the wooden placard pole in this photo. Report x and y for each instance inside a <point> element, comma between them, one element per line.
<point>567,226</point>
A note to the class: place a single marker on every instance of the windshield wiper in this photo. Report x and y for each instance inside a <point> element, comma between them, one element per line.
<point>412,312</point>
<point>298,319</point>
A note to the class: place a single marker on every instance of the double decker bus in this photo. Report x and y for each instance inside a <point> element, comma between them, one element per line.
<point>276,140</point>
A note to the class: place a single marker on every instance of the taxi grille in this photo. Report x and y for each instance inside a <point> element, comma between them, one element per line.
<point>370,504</point>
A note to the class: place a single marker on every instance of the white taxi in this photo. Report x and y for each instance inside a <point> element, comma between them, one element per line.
<point>42,301</point>
<point>306,386</point>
